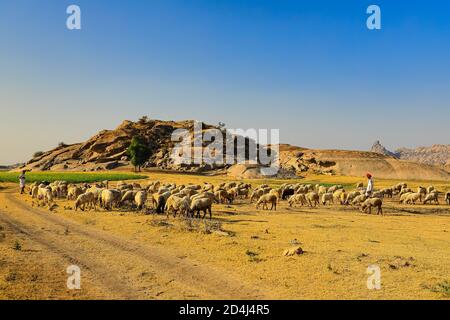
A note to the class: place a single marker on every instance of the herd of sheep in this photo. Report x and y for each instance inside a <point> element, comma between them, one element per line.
<point>192,199</point>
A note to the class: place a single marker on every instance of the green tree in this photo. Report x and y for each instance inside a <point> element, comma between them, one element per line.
<point>138,152</point>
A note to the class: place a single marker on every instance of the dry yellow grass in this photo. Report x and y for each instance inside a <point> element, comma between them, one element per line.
<point>410,244</point>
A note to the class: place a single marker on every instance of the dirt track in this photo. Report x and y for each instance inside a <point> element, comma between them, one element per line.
<point>120,268</point>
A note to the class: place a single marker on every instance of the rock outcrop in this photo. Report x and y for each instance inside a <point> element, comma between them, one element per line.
<point>437,154</point>
<point>107,150</point>
<point>377,147</point>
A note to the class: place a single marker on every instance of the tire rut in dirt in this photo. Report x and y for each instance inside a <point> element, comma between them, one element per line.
<point>97,271</point>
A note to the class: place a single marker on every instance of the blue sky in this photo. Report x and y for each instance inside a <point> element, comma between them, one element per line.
<point>310,68</point>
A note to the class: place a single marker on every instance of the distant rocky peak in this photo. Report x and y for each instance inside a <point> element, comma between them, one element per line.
<point>377,147</point>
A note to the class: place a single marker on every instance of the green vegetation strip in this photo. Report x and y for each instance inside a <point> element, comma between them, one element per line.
<point>71,177</point>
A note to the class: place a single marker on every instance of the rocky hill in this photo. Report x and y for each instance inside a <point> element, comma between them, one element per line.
<point>107,150</point>
<point>437,154</point>
<point>377,147</point>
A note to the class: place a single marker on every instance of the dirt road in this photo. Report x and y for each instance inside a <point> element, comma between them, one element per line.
<point>111,266</point>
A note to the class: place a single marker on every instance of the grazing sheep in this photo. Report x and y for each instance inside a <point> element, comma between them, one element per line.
<point>265,199</point>
<point>140,198</point>
<point>73,192</point>
<point>223,195</point>
<point>351,196</point>
<point>109,198</point>
<point>298,198</point>
<point>202,204</point>
<point>359,199</point>
<point>433,196</point>
<point>359,185</point>
<point>386,192</point>
<point>327,198</point>
<point>313,198</point>
<point>34,192</point>
<point>45,194</point>
<point>411,198</point>
<point>339,196</point>
<point>175,204</point>
<point>160,202</point>
<point>372,202</point>
<point>84,199</point>
<point>97,191</point>
<point>404,196</point>
<point>156,198</point>
<point>286,193</point>
<point>430,189</point>
<point>129,196</point>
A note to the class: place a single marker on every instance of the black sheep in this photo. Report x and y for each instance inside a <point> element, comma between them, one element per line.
<point>287,193</point>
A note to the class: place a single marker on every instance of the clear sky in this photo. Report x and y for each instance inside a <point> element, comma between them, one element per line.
<point>310,68</point>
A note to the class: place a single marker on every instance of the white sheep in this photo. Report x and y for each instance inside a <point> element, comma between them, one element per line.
<point>109,198</point>
<point>176,204</point>
<point>359,199</point>
<point>404,196</point>
<point>298,198</point>
<point>202,204</point>
<point>351,196</point>
<point>73,192</point>
<point>84,199</point>
<point>140,198</point>
<point>327,198</point>
<point>413,197</point>
<point>45,194</point>
<point>433,196</point>
<point>372,202</point>
<point>312,198</point>
<point>265,199</point>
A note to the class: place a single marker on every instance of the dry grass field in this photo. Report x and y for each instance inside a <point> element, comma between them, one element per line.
<point>236,255</point>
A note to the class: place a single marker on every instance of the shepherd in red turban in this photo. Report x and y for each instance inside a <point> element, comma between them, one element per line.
<point>369,189</point>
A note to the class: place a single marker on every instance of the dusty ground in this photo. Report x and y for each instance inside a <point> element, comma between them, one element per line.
<point>236,256</point>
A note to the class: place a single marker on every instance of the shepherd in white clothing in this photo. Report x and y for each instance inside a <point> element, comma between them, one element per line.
<point>22,181</point>
<point>370,186</point>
